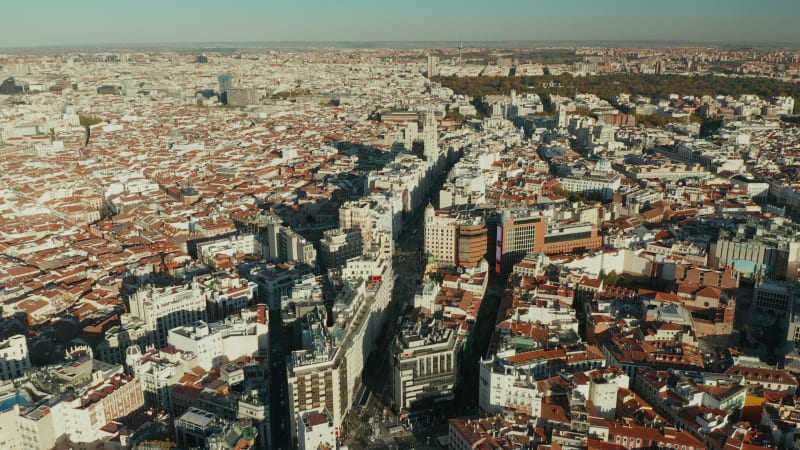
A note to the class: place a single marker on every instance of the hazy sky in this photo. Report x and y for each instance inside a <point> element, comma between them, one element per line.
<point>59,22</point>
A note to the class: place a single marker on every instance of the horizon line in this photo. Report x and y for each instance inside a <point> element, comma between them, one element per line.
<point>359,44</point>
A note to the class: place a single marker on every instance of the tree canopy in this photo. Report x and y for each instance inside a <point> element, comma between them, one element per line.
<point>607,86</point>
<point>87,121</point>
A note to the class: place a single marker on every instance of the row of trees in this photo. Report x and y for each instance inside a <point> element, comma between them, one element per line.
<point>633,282</point>
<point>87,121</point>
<point>607,86</point>
<point>533,56</point>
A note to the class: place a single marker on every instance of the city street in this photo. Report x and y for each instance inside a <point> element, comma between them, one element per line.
<point>376,425</point>
<point>278,406</point>
<point>370,424</point>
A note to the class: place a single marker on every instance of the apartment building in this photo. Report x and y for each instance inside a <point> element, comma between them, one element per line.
<point>339,245</point>
<point>219,342</point>
<point>14,360</point>
<point>602,186</point>
<point>164,308</point>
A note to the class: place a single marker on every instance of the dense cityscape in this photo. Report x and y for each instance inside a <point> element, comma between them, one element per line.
<point>465,247</point>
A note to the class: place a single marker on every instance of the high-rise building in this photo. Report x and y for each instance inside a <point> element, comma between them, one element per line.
<point>423,132</point>
<point>441,236</point>
<point>317,373</point>
<point>9,86</point>
<point>430,137</point>
<point>225,83</point>
<point>518,233</point>
<point>453,239</point>
<point>775,296</point>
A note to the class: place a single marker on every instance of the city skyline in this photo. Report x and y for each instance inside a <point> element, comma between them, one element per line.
<point>92,22</point>
<point>312,245</point>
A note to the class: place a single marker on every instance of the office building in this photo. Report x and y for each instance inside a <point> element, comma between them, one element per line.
<point>518,233</point>
<point>453,239</point>
<point>473,241</point>
<point>566,238</point>
<point>775,296</point>
<point>9,86</point>
<point>425,364</point>
<point>755,253</point>
<point>226,82</point>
